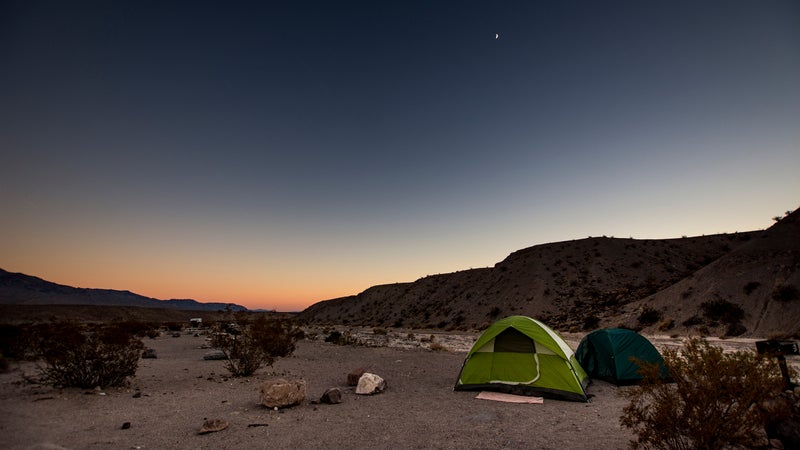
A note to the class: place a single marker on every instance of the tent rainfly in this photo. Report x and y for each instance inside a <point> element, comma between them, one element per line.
<point>520,355</point>
<point>613,355</point>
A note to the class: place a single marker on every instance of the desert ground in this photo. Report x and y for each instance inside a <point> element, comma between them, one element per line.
<point>170,397</point>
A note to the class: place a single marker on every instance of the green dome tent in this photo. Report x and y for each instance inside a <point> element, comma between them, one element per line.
<point>609,355</point>
<point>520,355</point>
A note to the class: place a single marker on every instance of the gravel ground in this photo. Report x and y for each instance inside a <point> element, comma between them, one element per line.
<point>171,396</point>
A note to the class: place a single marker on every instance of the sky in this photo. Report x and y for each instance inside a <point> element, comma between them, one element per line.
<point>276,154</point>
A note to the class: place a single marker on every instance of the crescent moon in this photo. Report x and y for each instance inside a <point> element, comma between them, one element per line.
<point>496,36</point>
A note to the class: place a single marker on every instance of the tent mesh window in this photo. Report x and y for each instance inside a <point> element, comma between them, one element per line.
<point>513,341</point>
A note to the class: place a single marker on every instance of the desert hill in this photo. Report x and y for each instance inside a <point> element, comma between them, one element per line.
<point>603,282</point>
<point>21,289</point>
<point>761,277</point>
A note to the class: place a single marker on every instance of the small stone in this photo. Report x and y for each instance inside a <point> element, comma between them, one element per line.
<point>137,394</point>
<point>126,425</point>
<point>332,396</point>
<point>212,426</point>
<point>149,353</point>
<point>215,355</point>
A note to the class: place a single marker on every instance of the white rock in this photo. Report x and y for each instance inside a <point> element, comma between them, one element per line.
<point>369,384</point>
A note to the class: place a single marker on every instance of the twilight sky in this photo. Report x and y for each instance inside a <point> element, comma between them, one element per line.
<point>274,154</point>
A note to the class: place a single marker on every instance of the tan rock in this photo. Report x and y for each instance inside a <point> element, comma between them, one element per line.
<point>280,393</point>
<point>212,426</point>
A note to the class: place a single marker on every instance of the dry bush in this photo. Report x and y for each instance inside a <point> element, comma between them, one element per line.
<point>339,338</point>
<point>719,400</point>
<point>720,310</point>
<point>256,344</point>
<point>649,316</point>
<point>437,347</point>
<point>786,293</point>
<point>15,342</point>
<point>79,358</point>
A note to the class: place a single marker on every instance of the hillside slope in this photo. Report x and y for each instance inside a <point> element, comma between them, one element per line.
<point>573,285</point>
<point>761,278</point>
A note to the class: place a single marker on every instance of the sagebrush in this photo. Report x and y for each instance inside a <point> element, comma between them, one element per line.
<point>74,356</point>
<point>256,343</point>
<point>718,400</point>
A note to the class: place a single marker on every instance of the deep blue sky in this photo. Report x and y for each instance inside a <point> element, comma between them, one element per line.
<point>276,154</point>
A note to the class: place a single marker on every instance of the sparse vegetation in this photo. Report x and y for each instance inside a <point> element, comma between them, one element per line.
<point>649,316</point>
<point>666,325</point>
<point>15,342</point>
<point>691,321</point>
<point>339,338</point>
<point>719,400</point>
<point>77,357</point>
<point>786,293</point>
<point>590,322</point>
<point>751,286</point>
<point>256,344</point>
<point>720,310</point>
<point>437,347</point>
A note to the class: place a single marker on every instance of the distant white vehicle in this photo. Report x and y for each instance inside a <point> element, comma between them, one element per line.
<point>196,323</point>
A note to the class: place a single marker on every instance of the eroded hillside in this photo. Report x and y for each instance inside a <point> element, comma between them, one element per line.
<point>572,285</point>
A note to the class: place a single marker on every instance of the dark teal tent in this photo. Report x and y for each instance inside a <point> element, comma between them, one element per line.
<point>611,355</point>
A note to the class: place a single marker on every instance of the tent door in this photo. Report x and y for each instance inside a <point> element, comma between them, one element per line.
<point>515,359</point>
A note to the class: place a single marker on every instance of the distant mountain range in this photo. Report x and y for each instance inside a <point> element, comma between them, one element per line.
<point>21,289</point>
<point>727,284</point>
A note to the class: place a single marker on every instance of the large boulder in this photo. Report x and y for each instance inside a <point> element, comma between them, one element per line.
<point>280,393</point>
<point>369,384</point>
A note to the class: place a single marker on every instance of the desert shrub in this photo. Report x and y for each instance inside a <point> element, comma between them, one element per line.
<point>137,328</point>
<point>174,326</point>
<point>649,316</point>
<point>735,329</point>
<point>437,347</point>
<point>256,344</point>
<point>590,322</point>
<point>694,320</point>
<point>718,400</point>
<point>750,287</point>
<point>785,293</point>
<point>666,325</point>
<point>722,311</point>
<point>78,358</point>
<point>15,342</point>
<point>339,338</point>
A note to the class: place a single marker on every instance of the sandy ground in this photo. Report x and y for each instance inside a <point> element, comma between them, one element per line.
<point>179,390</point>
